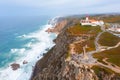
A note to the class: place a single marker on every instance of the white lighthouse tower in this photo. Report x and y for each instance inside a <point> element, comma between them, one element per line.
<point>87,18</point>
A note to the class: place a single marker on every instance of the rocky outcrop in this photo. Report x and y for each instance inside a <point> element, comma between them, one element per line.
<point>53,61</point>
<point>105,74</point>
<point>58,27</point>
<point>74,71</point>
<point>15,66</point>
<point>62,24</point>
<point>25,62</point>
<point>55,66</point>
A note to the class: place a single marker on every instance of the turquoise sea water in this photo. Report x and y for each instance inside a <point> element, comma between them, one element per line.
<point>10,29</point>
<point>23,39</point>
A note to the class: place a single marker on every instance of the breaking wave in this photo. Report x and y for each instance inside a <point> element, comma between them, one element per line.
<point>31,52</point>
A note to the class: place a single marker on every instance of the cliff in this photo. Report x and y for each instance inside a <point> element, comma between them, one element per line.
<point>53,66</point>
<point>60,62</point>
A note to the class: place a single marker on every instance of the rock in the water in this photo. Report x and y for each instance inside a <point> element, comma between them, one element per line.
<point>25,62</point>
<point>15,66</point>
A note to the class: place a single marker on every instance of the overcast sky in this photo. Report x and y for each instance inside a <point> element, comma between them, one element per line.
<point>57,7</point>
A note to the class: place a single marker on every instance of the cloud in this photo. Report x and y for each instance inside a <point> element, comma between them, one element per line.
<point>34,3</point>
<point>58,7</point>
<point>45,3</point>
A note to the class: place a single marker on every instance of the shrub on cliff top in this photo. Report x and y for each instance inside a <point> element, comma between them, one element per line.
<point>108,39</point>
<point>78,29</point>
<point>113,55</point>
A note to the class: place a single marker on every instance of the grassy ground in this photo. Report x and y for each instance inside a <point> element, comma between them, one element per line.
<point>91,44</point>
<point>108,39</point>
<point>78,30</point>
<point>104,70</point>
<point>113,55</point>
<point>79,48</point>
<point>112,19</point>
<point>97,70</point>
<point>108,19</point>
<point>68,55</point>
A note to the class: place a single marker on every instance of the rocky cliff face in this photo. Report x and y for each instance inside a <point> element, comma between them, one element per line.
<point>61,24</point>
<point>55,65</point>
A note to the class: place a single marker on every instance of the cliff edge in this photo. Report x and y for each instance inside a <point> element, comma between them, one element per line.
<point>71,57</point>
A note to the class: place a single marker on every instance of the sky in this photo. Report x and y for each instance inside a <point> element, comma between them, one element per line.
<point>57,7</point>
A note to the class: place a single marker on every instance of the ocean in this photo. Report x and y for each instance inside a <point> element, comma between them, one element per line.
<point>23,39</point>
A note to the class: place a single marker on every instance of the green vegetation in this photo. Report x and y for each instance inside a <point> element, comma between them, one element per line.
<point>106,25</point>
<point>91,44</point>
<point>68,55</point>
<point>78,29</point>
<point>108,18</point>
<point>97,70</point>
<point>78,48</point>
<point>113,55</point>
<point>112,19</point>
<point>108,39</point>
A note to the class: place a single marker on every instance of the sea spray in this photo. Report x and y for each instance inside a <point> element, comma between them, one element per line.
<point>40,41</point>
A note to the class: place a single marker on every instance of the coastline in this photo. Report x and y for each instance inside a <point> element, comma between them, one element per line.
<point>61,64</point>
<point>22,71</point>
<point>55,29</point>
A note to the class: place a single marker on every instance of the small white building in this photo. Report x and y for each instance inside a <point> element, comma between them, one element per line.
<point>91,22</point>
<point>114,28</point>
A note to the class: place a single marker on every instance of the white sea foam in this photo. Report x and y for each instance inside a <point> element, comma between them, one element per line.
<point>15,50</point>
<point>28,44</point>
<point>30,55</point>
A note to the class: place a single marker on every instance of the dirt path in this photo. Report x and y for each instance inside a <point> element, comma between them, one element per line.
<point>92,61</point>
<point>117,70</point>
<point>110,64</point>
<point>72,46</point>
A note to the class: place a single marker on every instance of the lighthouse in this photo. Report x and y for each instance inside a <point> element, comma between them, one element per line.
<point>91,22</point>
<point>87,18</point>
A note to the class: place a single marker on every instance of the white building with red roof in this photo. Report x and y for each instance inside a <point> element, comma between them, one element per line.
<point>91,22</point>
